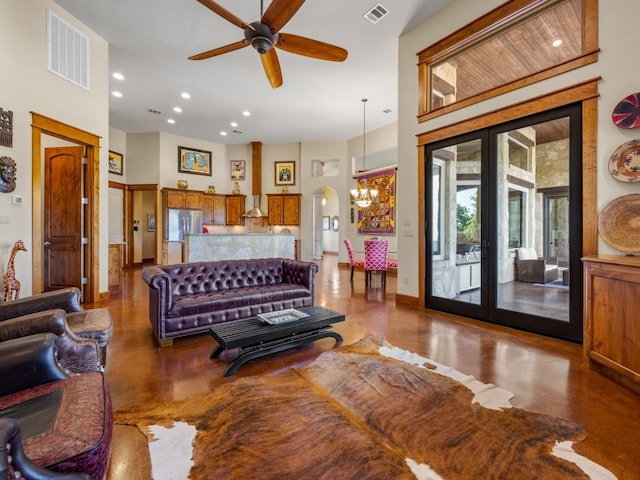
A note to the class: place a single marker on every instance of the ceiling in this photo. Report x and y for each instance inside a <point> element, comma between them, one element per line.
<point>150,40</point>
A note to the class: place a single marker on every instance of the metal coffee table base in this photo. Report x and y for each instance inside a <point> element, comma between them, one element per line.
<point>257,339</point>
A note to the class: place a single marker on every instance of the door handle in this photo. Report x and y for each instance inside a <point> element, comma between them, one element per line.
<point>46,244</point>
<point>484,245</point>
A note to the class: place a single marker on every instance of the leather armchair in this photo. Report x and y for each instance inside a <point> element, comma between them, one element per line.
<point>67,299</point>
<point>94,324</point>
<point>26,363</point>
<point>75,354</point>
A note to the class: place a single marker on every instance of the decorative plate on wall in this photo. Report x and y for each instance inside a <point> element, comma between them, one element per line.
<point>624,164</point>
<point>619,223</point>
<point>626,113</point>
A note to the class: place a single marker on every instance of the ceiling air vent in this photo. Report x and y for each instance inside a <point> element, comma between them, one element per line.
<point>67,51</point>
<point>376,13</point>
<point>154,111</point>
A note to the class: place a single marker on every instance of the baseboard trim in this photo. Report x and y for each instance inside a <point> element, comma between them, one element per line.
<point>407,301</point>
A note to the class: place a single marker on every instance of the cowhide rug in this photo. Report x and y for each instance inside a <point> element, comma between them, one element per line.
<point>364,411</point>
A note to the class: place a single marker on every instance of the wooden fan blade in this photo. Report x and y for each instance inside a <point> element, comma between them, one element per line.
<point>279,13</point>
<point>220,50</point>
<point>224,13</point>
<point>311,48</point>
<point>271,66</point>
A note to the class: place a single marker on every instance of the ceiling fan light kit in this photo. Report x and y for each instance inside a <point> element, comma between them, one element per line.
<point>264,35</point>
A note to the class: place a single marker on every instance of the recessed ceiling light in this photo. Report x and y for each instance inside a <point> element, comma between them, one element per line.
<point>185,95</point>
<point>115,93</point>
<point>557,43</point>
<point>223,133</point>
<point>246,113</point>
<point>234,124</point>
<point>118,76</point>
<point>171,121</point>
<point>177,109</point>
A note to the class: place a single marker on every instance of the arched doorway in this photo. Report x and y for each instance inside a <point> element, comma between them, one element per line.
<point>326,222</point>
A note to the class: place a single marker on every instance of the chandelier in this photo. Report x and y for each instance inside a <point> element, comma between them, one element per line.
<point>363,195</point>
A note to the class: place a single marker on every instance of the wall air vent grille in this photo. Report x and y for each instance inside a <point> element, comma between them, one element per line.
<point>67,51</point>
<point>376,13</point>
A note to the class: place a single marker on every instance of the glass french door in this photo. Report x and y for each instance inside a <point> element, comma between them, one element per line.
<point>504,224</point>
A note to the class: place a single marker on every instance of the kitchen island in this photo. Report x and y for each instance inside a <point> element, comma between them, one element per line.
<point>238,246</point>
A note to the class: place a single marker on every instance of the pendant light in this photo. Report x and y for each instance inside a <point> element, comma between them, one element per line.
<point>363,195</point>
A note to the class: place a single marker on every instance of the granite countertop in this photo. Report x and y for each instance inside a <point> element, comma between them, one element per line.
<point>237,234</point>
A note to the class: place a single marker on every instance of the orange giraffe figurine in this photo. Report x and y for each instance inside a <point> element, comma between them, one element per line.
<point>11,290</point>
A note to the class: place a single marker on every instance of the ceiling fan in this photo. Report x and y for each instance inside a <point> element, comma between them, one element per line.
<point>265,35</point>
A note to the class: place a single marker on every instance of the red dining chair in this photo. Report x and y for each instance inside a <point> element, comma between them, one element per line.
<point>355,262</point>
<point>375,259</point>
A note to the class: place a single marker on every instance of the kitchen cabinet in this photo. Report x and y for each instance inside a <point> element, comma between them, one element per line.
<point>611,316</point>
<point>467,276</point>
<point>284,208</point>
<point>214,209</point>
<point>235,208</point>
<point>176,198</point>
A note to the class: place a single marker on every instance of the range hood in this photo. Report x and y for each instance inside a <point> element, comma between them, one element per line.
<point>255,212</point>
<point>256,160</point>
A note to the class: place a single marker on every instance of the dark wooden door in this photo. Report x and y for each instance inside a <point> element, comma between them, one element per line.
<point>62,247</point>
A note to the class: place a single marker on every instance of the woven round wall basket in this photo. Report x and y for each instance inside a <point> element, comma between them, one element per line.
<point>619,223</point>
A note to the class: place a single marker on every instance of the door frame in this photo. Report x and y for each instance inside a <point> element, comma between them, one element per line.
<point>42,125</point>
<point>587,94</point>
<point>129,191</point>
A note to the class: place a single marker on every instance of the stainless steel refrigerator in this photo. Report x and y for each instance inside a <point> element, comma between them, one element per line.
<point>181,222</point>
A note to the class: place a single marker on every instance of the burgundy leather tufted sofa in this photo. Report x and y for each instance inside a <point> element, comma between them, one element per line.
<point>188,298</point>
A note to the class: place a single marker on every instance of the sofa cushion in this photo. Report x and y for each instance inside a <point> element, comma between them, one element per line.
<point>527,254</point>
<point>235,298</point>
<point>208,277</point>
<point>77,435</point>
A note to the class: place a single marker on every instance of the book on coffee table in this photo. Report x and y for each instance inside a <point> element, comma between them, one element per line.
<point>281,316</point>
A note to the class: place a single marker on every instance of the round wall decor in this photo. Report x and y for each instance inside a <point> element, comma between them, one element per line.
<point>624,164</point>
<point>626,113</point>
<point>619,223</point>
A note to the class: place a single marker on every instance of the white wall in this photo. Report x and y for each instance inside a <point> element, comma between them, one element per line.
<point>619,79</point>
<point>381,140</point>
<point>28,86</point>
<point>311,151</point>
<point>331,239</point>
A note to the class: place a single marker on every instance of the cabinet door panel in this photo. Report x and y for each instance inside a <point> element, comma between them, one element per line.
<point>193,200</point>
<point>291,210</point>
<point>235,209</point>
<point>219,210</point>
<point>275,209</point>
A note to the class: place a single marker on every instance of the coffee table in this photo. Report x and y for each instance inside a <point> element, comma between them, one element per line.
<point>258,339</point>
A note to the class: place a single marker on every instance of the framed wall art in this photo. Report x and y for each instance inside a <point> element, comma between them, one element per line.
<point>116,163</point>
<point>285,173</point>
<point>325,223</point>
<point>237,169</point>
<point>151,223</point>
<point>192,160</point>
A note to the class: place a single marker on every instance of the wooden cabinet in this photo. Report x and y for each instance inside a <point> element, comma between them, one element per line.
<point>115,266</point>
<point>175,198</point>
<point>235,208</point>
<point>214,209</point>
<point>612,316</point>
<point>284,208</point>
